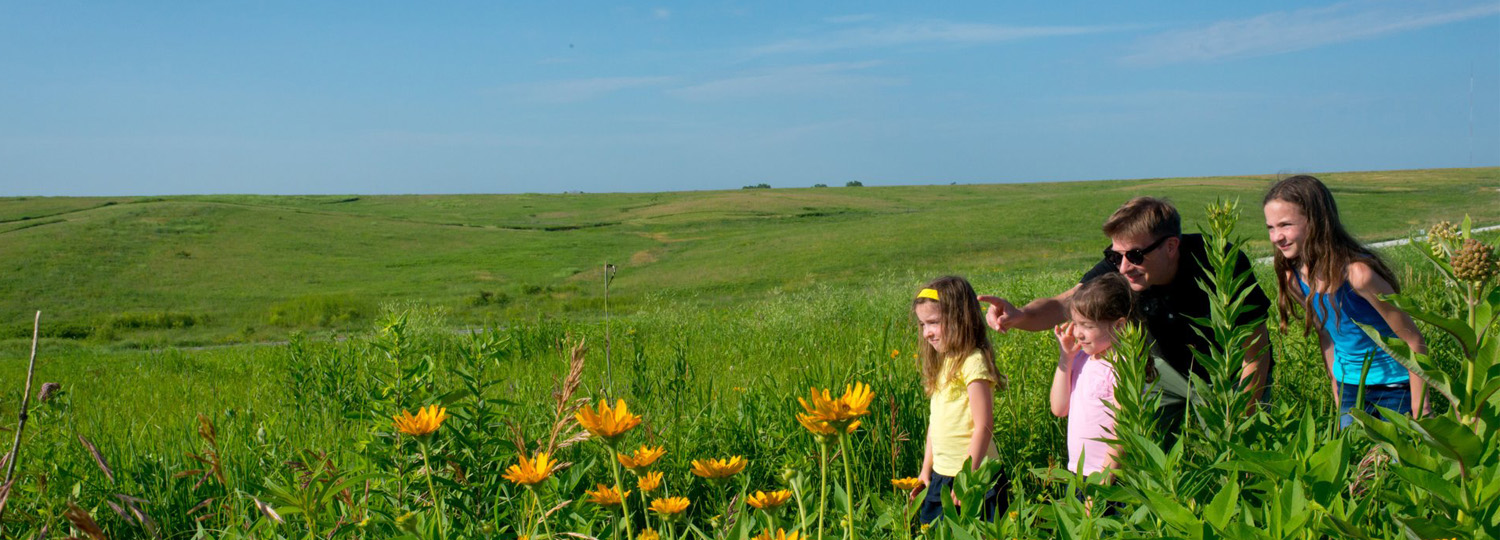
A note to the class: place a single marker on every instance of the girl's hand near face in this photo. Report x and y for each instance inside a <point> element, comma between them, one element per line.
<point>1066,343</point>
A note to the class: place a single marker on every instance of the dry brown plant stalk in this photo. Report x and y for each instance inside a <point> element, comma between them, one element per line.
<point>98,458</point>
<point>10,458</point>
<point>82,521</point>
<point>565,405</point>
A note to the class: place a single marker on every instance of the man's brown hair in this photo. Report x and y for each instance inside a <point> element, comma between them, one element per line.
<point>1144,215</point>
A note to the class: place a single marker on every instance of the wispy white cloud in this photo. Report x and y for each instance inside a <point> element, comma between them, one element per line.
<point>815,79</point>
<point>662,13</point>
<point>926,32</point>
<point>575,90</point>
<point>1290,31</point>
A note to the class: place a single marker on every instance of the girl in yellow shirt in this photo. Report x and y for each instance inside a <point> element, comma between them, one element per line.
<point>959,376</point>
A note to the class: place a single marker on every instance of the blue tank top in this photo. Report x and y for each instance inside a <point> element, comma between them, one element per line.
<point>1350,343</point>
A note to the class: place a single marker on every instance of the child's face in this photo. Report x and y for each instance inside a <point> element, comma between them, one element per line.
<point>930,321</point>
<point>1093,337</point>
<point>1287,227</point>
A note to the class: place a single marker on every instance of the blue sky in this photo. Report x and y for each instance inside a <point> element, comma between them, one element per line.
<point>117,98</point>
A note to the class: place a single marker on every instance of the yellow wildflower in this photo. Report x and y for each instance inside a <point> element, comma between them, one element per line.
<point>895,353</point>
<point>648,534</point>
<point>906,484</point>
<point>821,427</point>
<point>769,501</point>
<point>606,423</point>
<point>669,507</point>
<point>821,406</point>
<point>605,495</point>
<point>642,458</point>
<point>649,481</point>
<point>530,471</point>
<point>426,421</point>
<point>715,469</point>
<point>780,534</point>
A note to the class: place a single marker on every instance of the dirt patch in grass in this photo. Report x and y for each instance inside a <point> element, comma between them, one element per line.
<point>642,257</point>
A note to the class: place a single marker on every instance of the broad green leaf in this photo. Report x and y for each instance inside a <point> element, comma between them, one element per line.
<point>1243,531</point>
<point>1423,366</point>
<point>1432,527</point>
<point>1296,504</point>
<point>1326,493</point>
<point>1389,434</point>
<point>1484,313</point>
<point>1457,327</point>
<point>1221,509</point>
<point>961,533</point>
<point>1452,439</point>
<point>1437,486</point>
<point>1425,248</point>
<point>1347,529</point>
<point>1171,511</point>
<point>1269,463</point>
<point>1330,462</point>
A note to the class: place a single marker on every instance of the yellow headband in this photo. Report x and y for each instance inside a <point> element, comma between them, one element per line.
<point>929,293</point>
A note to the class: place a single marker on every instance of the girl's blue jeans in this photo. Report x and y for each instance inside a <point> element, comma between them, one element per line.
<point>1396,397</point>
<point>996,499</point>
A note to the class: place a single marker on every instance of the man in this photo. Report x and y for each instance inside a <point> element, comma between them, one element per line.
<point>1162,266</point>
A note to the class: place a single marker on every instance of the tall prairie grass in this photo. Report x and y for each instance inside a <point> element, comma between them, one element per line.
<point>710,381</point>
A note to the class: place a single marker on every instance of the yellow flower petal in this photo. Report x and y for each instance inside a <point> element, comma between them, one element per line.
<point>649,481</point>
<point>530,471</point>
<point>603,495</point>
<point>607,423</point>
<point>906,484</point>
<point>669,506</point>
<point>715,468</point>
<point>645,457</point>
<point>769,500</point>
<point>427,420</point>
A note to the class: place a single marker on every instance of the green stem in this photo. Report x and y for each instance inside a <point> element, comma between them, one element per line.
<point>531,523</point>
<point>906,517</point>
<point>438,503</point>
<point>619,488</point>
<point>822,483</point>
<point>543,517</point>
<point>848,490</point>
<point>644,506</point>
<point>723,502</point>
<point>801,508</point>
<point>1473,300</point>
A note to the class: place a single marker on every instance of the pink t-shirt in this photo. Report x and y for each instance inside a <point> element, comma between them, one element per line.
<point>1093,385</point>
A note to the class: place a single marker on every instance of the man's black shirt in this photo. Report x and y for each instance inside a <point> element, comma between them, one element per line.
<point>1168,309</point>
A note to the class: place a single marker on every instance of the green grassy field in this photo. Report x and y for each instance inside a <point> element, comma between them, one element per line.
<point>727,306</point>
<point>222,269</point>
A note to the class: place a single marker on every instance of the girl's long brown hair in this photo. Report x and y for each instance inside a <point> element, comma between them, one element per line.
<point>963,329</point>
<point>1327,250</point>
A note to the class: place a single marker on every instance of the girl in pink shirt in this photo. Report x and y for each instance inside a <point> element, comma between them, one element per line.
<point>1084,383</point>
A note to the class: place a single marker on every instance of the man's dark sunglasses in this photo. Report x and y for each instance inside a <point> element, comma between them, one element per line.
<point>1135,256</point>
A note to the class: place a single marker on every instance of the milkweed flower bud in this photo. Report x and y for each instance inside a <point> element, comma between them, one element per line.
<point>1474,262</point>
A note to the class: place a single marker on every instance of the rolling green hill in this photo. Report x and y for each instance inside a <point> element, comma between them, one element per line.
<point>207,269</point>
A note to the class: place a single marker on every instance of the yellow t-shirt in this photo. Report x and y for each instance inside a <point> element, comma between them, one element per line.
<point>950,423</point>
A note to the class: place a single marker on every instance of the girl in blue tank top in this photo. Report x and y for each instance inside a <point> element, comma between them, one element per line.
<point>1337,283</point>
